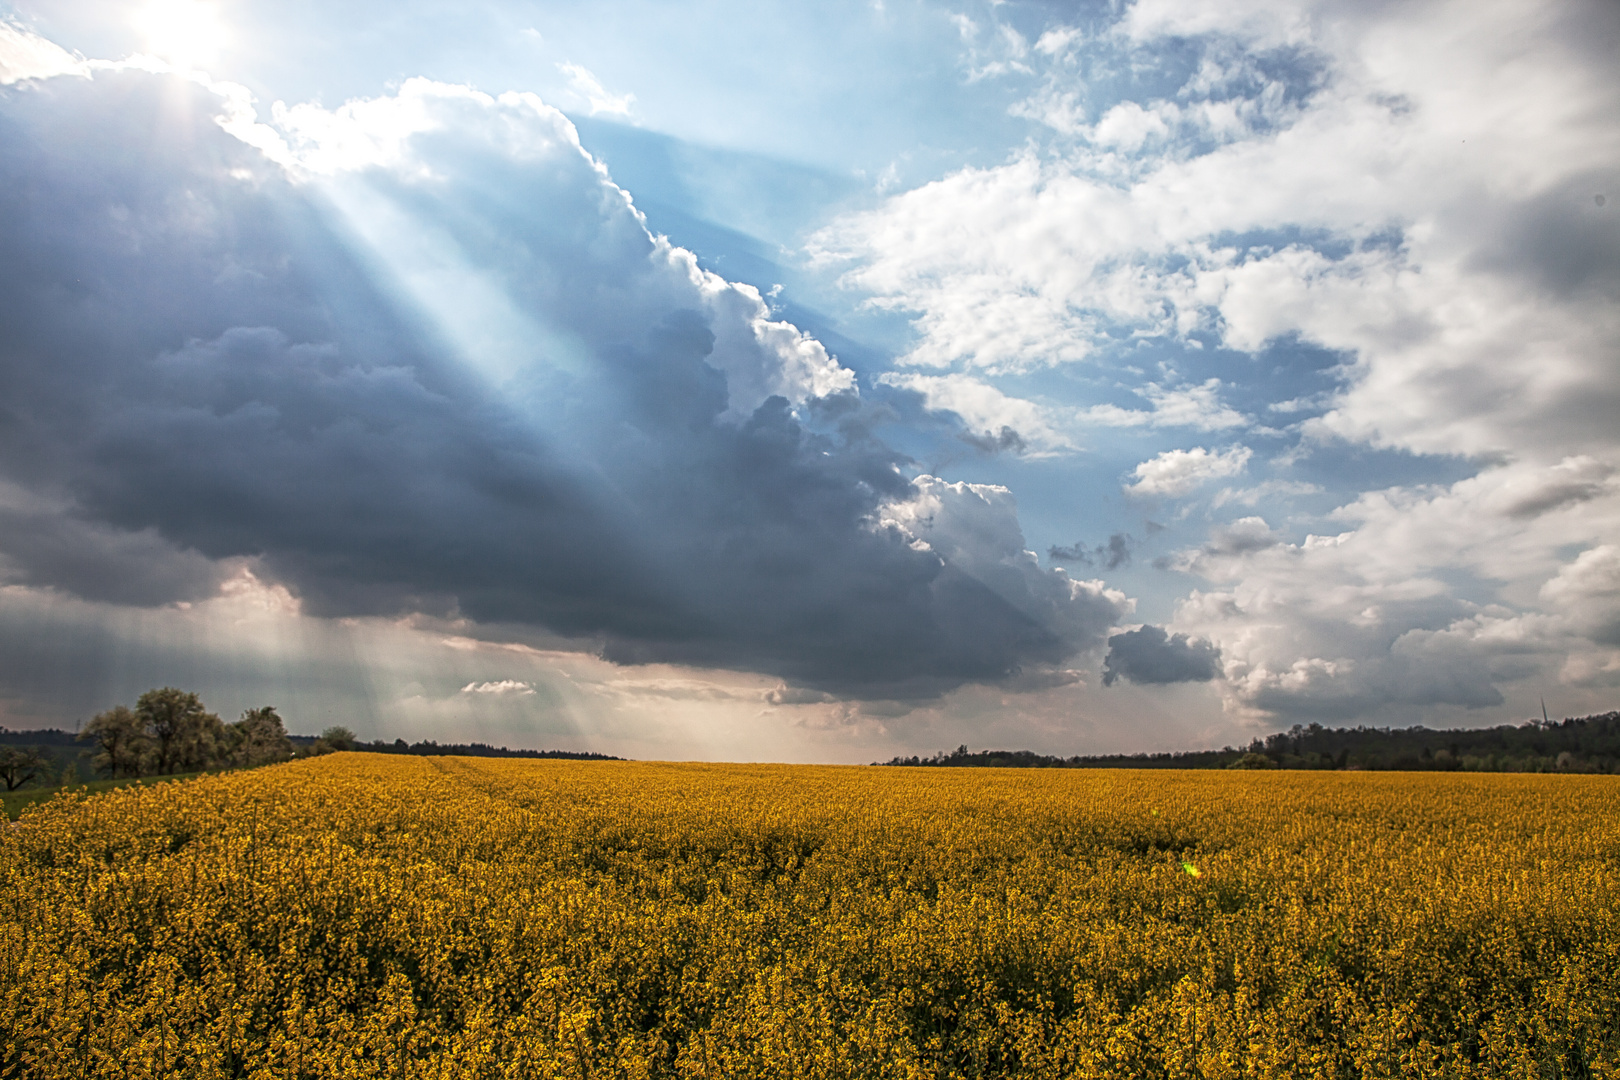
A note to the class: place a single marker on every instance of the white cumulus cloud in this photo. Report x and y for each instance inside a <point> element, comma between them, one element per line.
<point>504,688</point>
<point>1175,473</point>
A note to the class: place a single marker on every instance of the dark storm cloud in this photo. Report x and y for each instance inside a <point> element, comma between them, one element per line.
<point>1111,556</point>
<point>198,365</point>
<point>1007,440</point>
<point>98,562</point>
<point>1118,552</point>
<point>1071,553</point>
<point>1151,656</point>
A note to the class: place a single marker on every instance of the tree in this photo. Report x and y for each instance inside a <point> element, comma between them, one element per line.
<point>185,736</point>
<point>339,738</point>
<point>125,747</point>
<point>18,765</point>
<point>259,738</point>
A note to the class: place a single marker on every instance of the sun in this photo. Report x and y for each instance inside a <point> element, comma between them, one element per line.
<point>186,33</point>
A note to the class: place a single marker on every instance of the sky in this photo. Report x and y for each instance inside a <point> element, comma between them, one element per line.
<point>766,381</point>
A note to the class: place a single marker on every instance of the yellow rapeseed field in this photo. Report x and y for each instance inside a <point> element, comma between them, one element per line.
<point>364,915</point>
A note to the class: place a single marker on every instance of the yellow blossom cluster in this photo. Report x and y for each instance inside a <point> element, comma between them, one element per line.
<point>383,916</point>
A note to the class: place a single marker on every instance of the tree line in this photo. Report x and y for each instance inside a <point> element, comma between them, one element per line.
<point>169,731</point>
<point>1589,744</point>
<point>432,748</point>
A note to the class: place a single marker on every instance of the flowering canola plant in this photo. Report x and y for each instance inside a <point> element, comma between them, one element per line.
<point>364,915</point>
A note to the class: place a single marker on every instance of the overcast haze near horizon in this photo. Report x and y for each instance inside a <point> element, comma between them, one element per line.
<point>759,381</point>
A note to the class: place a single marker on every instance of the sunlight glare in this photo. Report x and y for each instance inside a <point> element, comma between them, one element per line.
<point>186,33</point>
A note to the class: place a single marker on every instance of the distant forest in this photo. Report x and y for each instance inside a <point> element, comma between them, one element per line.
<point>1587,744</point>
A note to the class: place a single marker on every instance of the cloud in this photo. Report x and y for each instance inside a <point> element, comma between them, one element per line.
<point>1587,591</point>
<point>1322,174</point>
<point>1127,126</point>
<point>992,55</point>
<point>1270,489</point>
<point>974,529</point>
<point>503,688</point>
<point>1344,195</point>
<point>57,548</point>
<point>1151,656</point>
<point>504,305</point>
<point>983,408</point>
<point>1000,442</point>
<point>1058,40</point>
<point>1175,473</point>
<point>1430,597</point>
<point>422,358</point>
<point>597,98</point>
<point>27,56</point>
<point>1197,407</point>
<point>1574,480</point>
<point>1241,537</point>
<point>1259,24</point>
<point>1047,429</point>
<point>793,695</point>
<point>1113,555</point>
